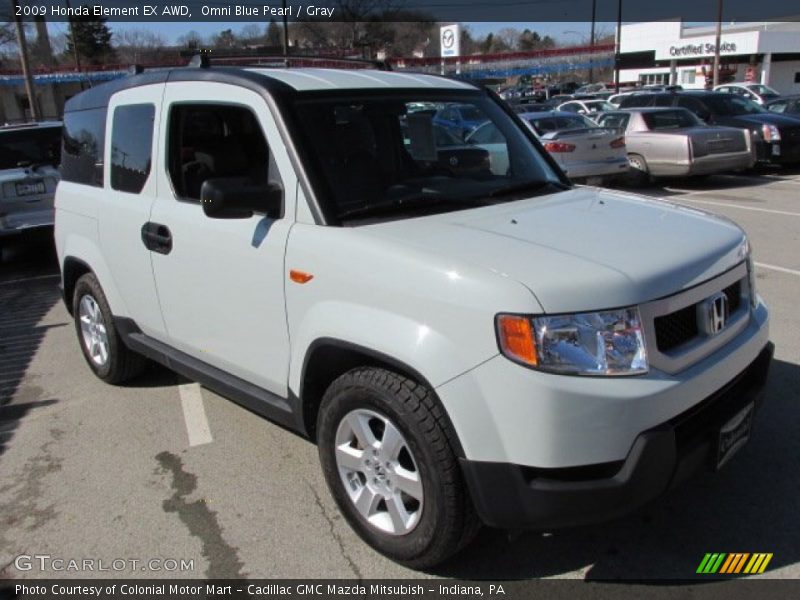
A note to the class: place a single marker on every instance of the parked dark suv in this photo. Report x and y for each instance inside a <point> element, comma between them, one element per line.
<point>776,137</point>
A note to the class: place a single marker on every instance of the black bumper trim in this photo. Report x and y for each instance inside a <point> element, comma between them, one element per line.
<point>511,496</point>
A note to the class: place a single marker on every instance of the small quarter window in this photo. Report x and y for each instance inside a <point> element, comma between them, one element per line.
<point>83,144</point>
<point>131,147</point>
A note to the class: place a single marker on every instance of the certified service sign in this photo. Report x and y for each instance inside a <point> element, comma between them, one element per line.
<point>450,40</point>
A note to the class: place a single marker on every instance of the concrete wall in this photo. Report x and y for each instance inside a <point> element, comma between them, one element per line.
<point>782,74</point>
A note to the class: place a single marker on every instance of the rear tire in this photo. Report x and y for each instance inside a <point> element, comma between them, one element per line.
<point>387,455</point>
<point>638,173</point>
<point>106,354</point>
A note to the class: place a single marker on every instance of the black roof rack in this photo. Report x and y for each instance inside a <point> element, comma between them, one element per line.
<point>259,59</point>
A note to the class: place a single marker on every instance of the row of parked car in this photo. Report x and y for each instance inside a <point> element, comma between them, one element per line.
<point>594,137</point>
<point>673,132</point>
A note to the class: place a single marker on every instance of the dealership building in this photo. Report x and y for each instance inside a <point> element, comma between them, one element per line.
<point>669,52</point>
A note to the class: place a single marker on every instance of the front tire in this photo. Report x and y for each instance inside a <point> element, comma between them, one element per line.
<point>103,349</point>
<point>387,456</point>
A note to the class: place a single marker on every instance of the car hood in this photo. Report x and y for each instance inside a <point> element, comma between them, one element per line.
<point>582,249</point>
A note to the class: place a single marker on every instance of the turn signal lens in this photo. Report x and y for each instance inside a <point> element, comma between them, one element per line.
<point>300,276</point>
<point>618,143</point>
<point>515,334</point>
<point>559,147</point>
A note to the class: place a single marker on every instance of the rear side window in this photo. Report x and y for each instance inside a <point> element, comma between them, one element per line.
<point>616,121</point>
<point>636,101</point>
<point>83,145</point>
<point>131,147</point>
<point>30,146</point>
<point>670,119</point>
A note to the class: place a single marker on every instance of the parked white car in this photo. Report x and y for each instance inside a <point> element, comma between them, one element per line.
<point>758,93</point>
<point>585,107</point>
<point>464,346</point>
<point>584,150</point>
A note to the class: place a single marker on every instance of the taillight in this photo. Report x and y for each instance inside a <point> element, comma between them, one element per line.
<point>559,147</point>
<point>618,143</point>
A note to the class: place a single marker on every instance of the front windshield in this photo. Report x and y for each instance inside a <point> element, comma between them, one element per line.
<point>30,146</point>
<point>732,106</point>
<point>373,157</point>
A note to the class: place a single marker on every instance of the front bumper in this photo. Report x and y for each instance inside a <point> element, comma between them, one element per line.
<point>511,496</point>
<point>782,152</point>
<point>22,222</point>
<point>719,163</point>
<point>598,168</point>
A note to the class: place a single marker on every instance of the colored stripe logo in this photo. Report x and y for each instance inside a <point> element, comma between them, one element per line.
<point>734,563</point>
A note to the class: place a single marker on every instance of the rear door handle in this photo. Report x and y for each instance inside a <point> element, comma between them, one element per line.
<point>157,237</point>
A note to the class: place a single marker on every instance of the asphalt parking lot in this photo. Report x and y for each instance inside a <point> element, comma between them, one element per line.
<point>112,473</point>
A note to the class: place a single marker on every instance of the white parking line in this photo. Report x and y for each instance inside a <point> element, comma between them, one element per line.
<point>777,268</point>
<point>739,206</point>
<point>194,414</point>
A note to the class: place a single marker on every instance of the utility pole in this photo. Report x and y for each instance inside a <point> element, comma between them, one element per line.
<point>619,41</point>
<point>23,58</point>
<point>75,53</point>
<point>718,42</point>
<point>285,33</point>
<point>591,42</point>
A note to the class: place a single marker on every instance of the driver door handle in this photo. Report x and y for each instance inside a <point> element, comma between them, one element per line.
<point>157,237</point>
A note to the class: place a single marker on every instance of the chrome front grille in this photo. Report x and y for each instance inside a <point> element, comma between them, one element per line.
<point>681,327</point>
<point>675,332</point>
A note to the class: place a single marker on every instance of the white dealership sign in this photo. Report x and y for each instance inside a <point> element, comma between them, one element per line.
<point>450,40</point>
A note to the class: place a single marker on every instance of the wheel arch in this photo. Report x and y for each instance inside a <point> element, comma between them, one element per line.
<point>328,358</point>
<point>72,270</point>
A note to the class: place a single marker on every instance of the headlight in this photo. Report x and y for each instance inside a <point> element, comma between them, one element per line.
<point>599,343</point>
<point>771,133</point>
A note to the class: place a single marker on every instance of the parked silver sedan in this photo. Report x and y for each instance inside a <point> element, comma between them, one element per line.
<point>29,158</point>
<point>673,142</point>
<point>585,151</point>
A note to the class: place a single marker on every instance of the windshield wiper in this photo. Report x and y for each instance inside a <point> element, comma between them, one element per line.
<point>527,186</point>
<point>421,200</point>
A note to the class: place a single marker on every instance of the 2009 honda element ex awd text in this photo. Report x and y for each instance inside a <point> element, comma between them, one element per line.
<point>466,336</point>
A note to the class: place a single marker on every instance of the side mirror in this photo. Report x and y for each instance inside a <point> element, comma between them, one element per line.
<point>240,198</point>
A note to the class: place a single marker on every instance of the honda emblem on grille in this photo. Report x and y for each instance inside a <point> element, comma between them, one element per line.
<point>715,313</point>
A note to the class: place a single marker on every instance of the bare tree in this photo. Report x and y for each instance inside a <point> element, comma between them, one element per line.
<point>191,40</point>
<point>251,34</point>
<point>224,39</point>
<point>509,36</point>
<point>139,45</point>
